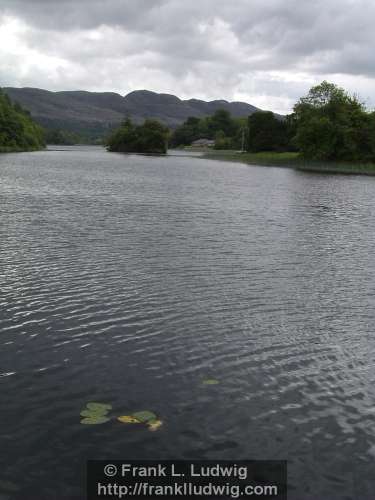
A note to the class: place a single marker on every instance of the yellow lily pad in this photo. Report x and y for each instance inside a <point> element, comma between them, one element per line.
<point>154,425</point>
<point>128,419</point>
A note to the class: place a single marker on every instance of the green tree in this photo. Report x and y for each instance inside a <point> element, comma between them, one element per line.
<point>189,131</point>
<point>208,127</point>
<point>18,132</point>
<point>221,120</point>
<point>266,132</point>
<point>222,141</point>
<point>151,137</point>
<point>63,137</point>
<point>333,125</point>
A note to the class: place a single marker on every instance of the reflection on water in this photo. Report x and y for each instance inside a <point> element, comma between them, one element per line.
<point>130,280</point>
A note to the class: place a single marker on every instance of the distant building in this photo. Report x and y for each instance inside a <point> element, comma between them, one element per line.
<point>208,143</point>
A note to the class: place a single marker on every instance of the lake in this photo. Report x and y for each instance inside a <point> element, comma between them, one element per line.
<point>130,280</point>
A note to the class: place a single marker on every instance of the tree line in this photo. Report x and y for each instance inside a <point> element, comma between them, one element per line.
<point>221,127</point>
<point>64,137</point>
<point>326,124</point>
<point>18,132</point>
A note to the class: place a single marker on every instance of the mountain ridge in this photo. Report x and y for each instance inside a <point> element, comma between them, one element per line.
<point>97,112</point>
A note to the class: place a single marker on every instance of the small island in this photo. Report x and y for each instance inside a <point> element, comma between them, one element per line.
<point>18,131</point>
<point>149,138</point>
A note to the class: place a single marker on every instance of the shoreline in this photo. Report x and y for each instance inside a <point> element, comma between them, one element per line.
<point>288,160</point>
<point>6,150</point>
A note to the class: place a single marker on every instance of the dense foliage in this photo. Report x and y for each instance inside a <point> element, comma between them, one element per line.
<point>64,137</point>
<point>151,137</point>
<point>221,127</point>
<point>332,125</point>
<point>268,133</point>
<point>327,124</point>
<point>65,132</point>
<point>18,132</point>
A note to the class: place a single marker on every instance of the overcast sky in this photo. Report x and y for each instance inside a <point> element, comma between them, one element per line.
<point>265,52</point>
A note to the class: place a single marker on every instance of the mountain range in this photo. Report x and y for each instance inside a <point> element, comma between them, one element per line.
<point>94,113</point>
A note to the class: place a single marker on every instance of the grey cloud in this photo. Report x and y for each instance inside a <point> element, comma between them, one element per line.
<point>85,14</point>
<point>272,48</point>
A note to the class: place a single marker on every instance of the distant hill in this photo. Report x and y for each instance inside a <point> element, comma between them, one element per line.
<point>94,113</point>
<point>173,111</point>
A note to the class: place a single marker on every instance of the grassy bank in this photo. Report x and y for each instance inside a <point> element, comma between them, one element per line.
<point>291,160</point>
<point>264,158</point>
<point>350,168</point>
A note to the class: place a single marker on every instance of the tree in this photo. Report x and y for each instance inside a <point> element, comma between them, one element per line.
<point>222,121</point>
<point>18,132</point>
<point>208,127</point>
<point>189,131</point>
<point>266,132</point>
<point>222,141</point>
<point>333,125</point>
<point>151,137</point>
<point>64,137</point>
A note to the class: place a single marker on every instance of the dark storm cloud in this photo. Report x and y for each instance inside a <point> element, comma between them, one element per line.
<point>208,48</point>
<point>72,14</point>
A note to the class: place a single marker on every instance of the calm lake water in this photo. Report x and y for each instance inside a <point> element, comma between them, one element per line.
<point>130,279</point>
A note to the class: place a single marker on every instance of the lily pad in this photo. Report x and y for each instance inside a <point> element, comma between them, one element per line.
<point>128,419</point>
<point>154,425</point>
<point>144,416</point>
<point>99,407</point>
<point>90,413</point>
<point>210,381</point>
<point>95,420</point>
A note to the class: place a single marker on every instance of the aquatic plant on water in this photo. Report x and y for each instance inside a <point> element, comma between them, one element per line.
<point>142,417</point>
<point>95,413</point>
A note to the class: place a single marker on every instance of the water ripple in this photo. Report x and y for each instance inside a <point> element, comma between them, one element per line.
<point>131,279</point>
